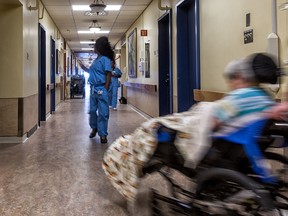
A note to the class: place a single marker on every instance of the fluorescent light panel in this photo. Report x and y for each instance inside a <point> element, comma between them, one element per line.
<point>87,48</point>
<point>80,7</point>
<point>87,8</point>
<point>112,7</point>
<point>90,32</point>
<point>87,42</point>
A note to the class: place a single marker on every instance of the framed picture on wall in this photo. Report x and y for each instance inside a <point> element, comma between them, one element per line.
<point>57,61</point>
<point>68,67</point>
<point>132,54</point>
<point>147,60</point>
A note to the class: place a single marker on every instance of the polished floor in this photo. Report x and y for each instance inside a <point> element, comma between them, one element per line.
<point>57,171</point>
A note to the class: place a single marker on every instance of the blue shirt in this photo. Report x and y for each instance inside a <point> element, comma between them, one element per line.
<point>241,102</point>
<point>98,71</point>
<point>114,80</point>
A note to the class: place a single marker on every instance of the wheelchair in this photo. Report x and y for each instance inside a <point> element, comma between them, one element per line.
<point>77,86</point>
<point>226,182</point>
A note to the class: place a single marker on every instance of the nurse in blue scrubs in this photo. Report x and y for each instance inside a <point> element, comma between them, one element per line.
<point>115,84</point>
<point>99,78</point>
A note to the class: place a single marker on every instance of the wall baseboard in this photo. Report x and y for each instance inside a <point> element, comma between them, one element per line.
<point>6,140</point>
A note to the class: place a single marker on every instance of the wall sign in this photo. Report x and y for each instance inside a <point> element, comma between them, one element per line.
<point>143,32</point>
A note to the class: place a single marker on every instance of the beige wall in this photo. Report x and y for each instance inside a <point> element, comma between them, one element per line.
<point>282,22</point>
<point>52,31</point>
<point>30,52</point>
<point>11,51</point>
<point>140,98</point>
<point>222,24</point>
<point>222,35</point>
<point>19,67</point>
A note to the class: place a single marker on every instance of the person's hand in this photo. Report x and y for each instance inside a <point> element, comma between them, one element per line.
<point>279,112</point>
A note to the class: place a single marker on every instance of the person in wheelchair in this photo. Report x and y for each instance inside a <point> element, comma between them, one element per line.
<point>190,132</point>
<point>246,107</point>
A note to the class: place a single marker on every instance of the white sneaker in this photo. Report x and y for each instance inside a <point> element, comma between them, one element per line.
<point>110,107</point>
<point>115,109</point>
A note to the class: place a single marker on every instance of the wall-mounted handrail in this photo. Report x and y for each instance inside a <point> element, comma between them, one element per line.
<point>163,8</point>
<point>147,87</point>
<point>33,8</point>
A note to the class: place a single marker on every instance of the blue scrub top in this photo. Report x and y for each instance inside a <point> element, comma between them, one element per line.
<point>114,80</point>
<point>98,71</point>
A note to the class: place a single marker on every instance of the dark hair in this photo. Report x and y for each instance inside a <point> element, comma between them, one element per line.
<point>261,67</point>
<point>103,47</point>
<point>264,67</point>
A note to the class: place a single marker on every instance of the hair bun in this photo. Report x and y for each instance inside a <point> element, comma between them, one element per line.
<point>265,68</point>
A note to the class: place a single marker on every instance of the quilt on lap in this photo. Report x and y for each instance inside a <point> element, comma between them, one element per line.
<point>125,157</point>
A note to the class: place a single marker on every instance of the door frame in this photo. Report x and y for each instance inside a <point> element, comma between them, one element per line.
<point>188,52</point>
<point>52,74</point>
<point>41,74</point>
<point>165,64</point>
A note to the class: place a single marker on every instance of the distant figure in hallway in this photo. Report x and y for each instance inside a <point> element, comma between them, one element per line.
<point>99,78</point>
<point>115,84</point>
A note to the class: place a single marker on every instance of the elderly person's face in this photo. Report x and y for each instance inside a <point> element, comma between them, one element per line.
<point>238,75</point>
<point>233,81</point>
<point>237,81</point>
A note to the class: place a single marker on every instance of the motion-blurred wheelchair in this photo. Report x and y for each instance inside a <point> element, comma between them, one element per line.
<point>77,86</point>
<point>227,181</point>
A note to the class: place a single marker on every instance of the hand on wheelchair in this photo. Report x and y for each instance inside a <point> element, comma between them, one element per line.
<point>278,112</point>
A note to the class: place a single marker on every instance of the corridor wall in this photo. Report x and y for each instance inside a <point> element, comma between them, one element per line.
<point>19,69</point>
<point>222,26</point>
<point>140,97</point>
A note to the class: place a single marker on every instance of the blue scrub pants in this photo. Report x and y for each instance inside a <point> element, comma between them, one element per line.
<point>99,111</point>
<point>113,95</point>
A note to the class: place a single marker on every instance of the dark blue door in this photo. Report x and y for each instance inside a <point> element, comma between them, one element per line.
<point>52,75</point>
<point>188,62</point>
<point>41,74</point>
<point>165,79</point>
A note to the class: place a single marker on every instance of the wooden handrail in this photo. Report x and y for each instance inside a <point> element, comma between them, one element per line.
<point>147,87</point>
<point>202,95</point>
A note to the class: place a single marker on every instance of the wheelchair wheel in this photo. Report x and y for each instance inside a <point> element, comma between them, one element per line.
<point>227,192</point>
<point>159,196</point>
<point>279,192</point>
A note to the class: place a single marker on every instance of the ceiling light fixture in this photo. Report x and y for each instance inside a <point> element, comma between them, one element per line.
<point>90,32</point>
<point>85,48</point>
<point>97,7</point>
<point>87,42</point>
<point>95,26</point>
<point>88,8</point>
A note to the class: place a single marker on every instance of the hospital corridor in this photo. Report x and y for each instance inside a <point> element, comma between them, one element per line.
<point>57,171</point>
<point>197,97</point>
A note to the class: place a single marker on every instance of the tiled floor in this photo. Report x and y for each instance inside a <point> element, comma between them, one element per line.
<point>57,171</point>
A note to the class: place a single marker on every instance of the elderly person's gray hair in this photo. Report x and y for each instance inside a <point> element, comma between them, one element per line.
<point>240,67</point>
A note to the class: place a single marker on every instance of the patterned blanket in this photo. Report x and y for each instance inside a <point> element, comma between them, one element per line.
<point>125,157</point>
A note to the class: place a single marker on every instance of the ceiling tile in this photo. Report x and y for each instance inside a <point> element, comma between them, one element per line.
<point>55,2</point>
<point>69,22</point>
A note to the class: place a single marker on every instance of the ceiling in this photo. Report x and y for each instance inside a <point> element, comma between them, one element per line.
<point>69,22</point>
